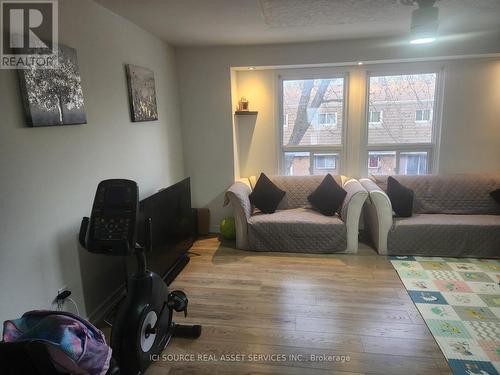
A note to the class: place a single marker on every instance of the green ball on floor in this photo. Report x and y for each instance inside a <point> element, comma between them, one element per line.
<point>228,228</point>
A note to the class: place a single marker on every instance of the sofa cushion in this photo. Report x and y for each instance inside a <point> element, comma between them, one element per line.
<point>298,188</point>
<point>297,230</point>
<point>328,196</point>
<point>401,197</point>
<point>445,235</point>
<point>266,196</point>
<point>448,220</point>
<point>495,194</point>
<point>451,194</point>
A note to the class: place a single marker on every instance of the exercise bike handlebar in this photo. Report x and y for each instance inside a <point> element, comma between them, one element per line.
<point>84,227</point>
<point>139,250</point>
<point>148,235</point>
<point>119,247</point>
<point>148,246</point>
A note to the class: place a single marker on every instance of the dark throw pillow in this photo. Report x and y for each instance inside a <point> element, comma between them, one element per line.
<point>401,198</point>
<point>328,196</point>
<point>266,196</point>
<point>495,194</point>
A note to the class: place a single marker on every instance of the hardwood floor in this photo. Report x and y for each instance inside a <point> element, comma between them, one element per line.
<point>296,304</point>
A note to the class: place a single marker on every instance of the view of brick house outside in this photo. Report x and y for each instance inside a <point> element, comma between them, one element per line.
<point>400,113</point>
<point>312,119</point>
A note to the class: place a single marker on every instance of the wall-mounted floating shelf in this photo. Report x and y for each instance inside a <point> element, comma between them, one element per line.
<point>246,113</point>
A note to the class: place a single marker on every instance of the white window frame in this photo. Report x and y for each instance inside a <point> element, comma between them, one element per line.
<point>432,148</point>
<point>376,124</point>
<point>285,121</point>
<point>305,74</point>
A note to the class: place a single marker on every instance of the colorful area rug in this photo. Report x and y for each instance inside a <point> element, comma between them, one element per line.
<point>459,299</point>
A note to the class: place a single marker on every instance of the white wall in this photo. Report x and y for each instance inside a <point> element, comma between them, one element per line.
<point>470,137</point>
<point>49,175</point>
<point>470,121</point>
<point>206,106</point>
<point>257,141</point>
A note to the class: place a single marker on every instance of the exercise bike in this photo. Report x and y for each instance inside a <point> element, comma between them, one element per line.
<point>143,325</point>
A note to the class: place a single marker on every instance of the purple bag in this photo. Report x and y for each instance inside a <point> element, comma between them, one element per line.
<point>74,345</point>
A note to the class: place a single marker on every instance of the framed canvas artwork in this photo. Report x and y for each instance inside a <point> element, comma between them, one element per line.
<point>53,97</point>
<point>142,94</point>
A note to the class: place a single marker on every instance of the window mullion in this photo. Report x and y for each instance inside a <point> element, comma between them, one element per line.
<point>311,161</point>
<point>398,154</point>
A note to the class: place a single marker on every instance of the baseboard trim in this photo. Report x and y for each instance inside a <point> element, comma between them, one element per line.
<point>100,311</point>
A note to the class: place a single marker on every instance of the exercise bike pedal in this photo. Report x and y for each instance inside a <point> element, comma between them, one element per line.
<point>178,301</point>
<point>187,331</point>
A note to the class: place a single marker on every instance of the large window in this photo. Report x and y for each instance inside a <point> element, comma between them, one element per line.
<point>403,141</point>
<point>312,125</point>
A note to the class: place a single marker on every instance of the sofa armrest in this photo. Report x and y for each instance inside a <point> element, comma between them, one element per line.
<point>351,212</point>
<point>238,195</point>
<point>378,215</point>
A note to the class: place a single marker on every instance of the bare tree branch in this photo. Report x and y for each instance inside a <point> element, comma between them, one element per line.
<point>302,122</point>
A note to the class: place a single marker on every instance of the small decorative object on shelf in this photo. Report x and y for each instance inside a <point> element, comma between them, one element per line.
<point>251,113</point>
<point>242,105</point>
<point>243,108</point>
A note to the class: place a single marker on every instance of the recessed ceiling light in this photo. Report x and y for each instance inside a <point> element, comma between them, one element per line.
<point>360,62</point>
<point>251,68</point>
<point>422,40</point>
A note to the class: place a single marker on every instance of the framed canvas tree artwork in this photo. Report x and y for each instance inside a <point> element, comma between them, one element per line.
<point>54,97</point>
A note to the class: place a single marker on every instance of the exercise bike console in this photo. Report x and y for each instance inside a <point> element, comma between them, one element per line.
<point>113,219</point>
<point>143,325</point>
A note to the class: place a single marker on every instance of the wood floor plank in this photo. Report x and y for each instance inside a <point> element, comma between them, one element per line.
<point>291,338</point>
<point>299,304</point>
<point>404,347</point>
<point>366,328</point>
<point>307,310</point>
<point>289,296</point>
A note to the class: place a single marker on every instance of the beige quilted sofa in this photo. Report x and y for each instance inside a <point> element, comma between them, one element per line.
<point>454,215</point>
<point>295,226</point>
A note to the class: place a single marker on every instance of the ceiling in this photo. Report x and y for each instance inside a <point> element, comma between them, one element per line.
<point>239,22</point>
